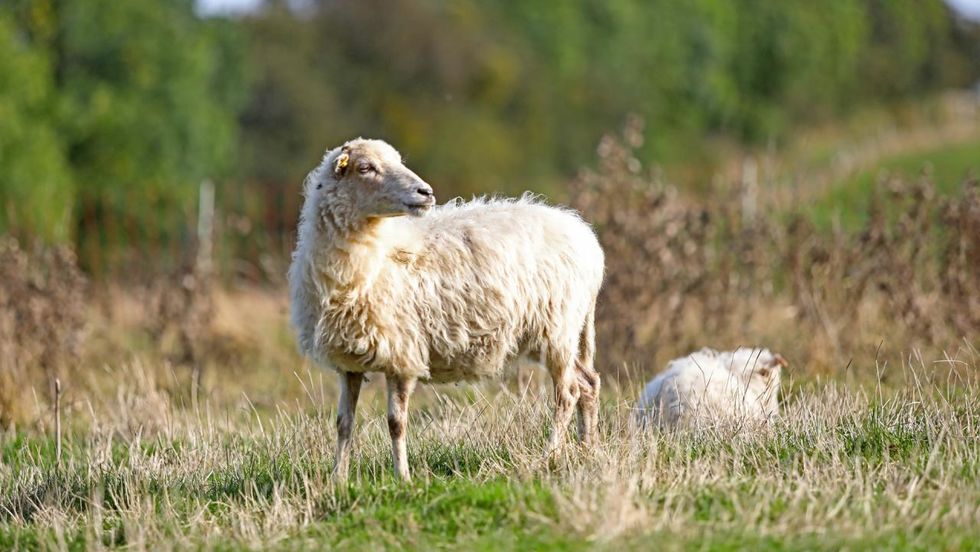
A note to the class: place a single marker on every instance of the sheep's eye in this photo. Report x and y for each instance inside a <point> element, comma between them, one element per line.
<point>365,169</point>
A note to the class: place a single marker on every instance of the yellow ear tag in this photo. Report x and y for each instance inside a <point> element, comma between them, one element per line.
<point>342,161</point>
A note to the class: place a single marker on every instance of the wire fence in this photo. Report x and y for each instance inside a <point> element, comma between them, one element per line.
<point>247,235</point>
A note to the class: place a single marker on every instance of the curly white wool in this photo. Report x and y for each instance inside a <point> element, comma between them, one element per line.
<point>449,296</point>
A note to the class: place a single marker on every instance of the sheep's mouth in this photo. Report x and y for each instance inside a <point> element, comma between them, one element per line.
<point>418,209</point>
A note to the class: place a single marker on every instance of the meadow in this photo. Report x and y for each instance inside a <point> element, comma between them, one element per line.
<point>185,418</point>
<point>846,467</point>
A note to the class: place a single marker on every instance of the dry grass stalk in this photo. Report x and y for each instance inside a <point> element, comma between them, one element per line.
<point>57,419</point>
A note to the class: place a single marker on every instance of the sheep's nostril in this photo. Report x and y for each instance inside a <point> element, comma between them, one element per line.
<point>426,191</point>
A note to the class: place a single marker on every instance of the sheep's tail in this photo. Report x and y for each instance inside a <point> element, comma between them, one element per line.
<point>588,381</point>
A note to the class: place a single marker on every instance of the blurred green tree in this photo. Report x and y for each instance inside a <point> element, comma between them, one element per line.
<point>112,112</point>
<point>35,183</point>
<point>512,95</point>
<point>138,100</point>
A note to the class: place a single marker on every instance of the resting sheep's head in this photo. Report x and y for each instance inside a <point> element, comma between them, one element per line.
<point>759,365</point>
<point>769,369</point>
<point>771,366</point>
<point>366,179</point>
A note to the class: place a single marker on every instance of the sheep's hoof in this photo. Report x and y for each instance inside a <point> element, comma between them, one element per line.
<point>551,458</point>
<point>339,474</point>
<point>403,478</point>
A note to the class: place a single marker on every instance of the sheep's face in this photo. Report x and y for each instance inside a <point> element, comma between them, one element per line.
<point>759,366</point>
<point>367,179</point>
<point>769,368</point>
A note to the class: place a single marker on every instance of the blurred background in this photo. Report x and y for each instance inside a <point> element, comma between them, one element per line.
<point>796,174</point>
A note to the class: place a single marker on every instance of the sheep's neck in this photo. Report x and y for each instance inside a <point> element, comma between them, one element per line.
<point>353,257</point>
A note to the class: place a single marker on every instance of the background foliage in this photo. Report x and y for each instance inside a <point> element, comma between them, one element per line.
<point>119,110</point>
<point>111,113</point>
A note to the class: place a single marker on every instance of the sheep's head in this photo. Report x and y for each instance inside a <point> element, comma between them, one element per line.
<point>759,365</point>
<point>770,366</point>
<point>366,179</point>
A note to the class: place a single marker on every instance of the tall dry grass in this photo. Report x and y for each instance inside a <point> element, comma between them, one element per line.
<point>732,268</point>
<point>42,321</point>
<point>727,269</point>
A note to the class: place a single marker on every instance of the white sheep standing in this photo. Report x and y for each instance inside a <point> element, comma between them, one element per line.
<point>451,293</point>
<point>709,387</point>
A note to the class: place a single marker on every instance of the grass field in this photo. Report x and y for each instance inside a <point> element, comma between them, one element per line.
<point>846,467</point>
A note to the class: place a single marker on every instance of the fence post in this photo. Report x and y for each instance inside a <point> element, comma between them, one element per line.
<point>750,190</point>
<point>205,228</point>
<point>203,266</point>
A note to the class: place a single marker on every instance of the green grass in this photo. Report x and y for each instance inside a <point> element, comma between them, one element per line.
<point>849,201</point>
<point>842,469</point>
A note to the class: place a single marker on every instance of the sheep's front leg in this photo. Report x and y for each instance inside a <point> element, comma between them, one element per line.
<point>350,389</point>
<point>399,391</point>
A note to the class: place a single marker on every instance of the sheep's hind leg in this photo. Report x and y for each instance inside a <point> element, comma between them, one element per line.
<point>350,389</point>
<point>399,391</point>
<point>562,371</point>
<point>589,383</point>
<point>588,406</point>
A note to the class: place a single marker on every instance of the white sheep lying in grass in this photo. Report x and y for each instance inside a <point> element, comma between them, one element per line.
<point>710,387</point>
<point>451,293</point>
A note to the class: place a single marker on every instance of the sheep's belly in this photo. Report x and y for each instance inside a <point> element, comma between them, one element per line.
<point>468,367</point>
<point>465,368</point>
<point>346,362</point>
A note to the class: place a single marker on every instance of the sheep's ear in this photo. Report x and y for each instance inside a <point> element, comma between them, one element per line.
<point>777,362</point>
<point>341,164</point>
